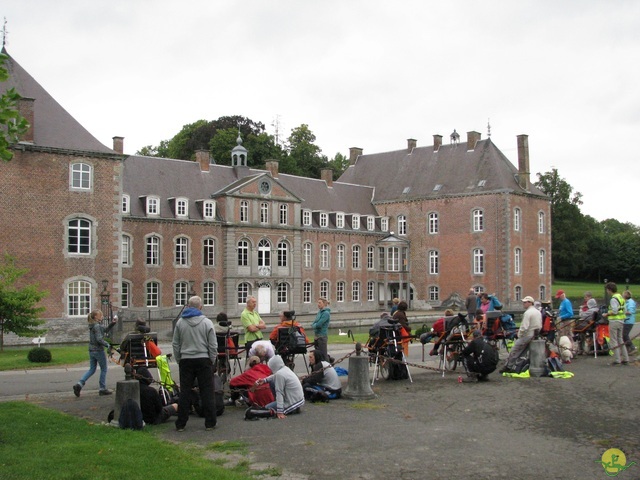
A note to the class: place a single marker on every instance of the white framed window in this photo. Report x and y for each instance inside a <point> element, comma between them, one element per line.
<point>153,250</point>
<point>478,261</point>
<point>283,254</point>
<point>153,294</point>
<point>355,291</point>
<point>125,294</point>
<point>324,289</point>
<point>209,294</point>
<point>125,252</point>
<point>79,298</point>
<point>517,219</point>
<point>282,293</point>
<point>433,223</point>
<point>402,225</point>
<point>340,256</point>
<point>153,206</point>
<point>371,223</point>
<point>384,224</point>
<point>181,252</point>
<point>79,236</point>
<point>180,293</point>
<point>80,176</point>
<point>434,293</point>
<point>244,211</point>
<point>324,220</point>
<point>339,220</point>
<point>324,256</point>
<point>264,212</point>
<point>264,253</point>
<point>182,207</point>
<point>355,222</point>
<point>517,261</point>
<point>543,293</point>
<point>243,292</point>
<point>355,257</point>
<point>478,220</point>
<point>209,210</point>
<point>340,292</point>
<point>243,253</point>
<point>307,288</point>
<point>209,252</point>
<point>126,203</point>
<point>370,257</point>
<point>541,222</point>
<point>542,261</point>
<point>371,291</point>
<point>393,259</point>
<point>517,291</point>
<point>284,214</point>
<point>307,256</point>
<point>434,262</point>
<point>306,218</point>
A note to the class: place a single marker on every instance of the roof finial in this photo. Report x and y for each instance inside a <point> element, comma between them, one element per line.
<point>455,137</point>
<point>488,127</point>
<point>5,33</point>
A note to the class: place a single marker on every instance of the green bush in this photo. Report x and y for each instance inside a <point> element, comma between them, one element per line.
<point>423,329</point>
<point>39,355</point>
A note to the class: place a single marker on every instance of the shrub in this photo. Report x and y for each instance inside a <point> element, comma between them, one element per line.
<point>39,355</point>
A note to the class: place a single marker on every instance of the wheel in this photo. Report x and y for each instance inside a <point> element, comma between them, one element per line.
<point>451,361</point>
<point>384,368</point>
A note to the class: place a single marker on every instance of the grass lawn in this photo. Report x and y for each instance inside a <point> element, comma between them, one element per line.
<point>41,443</point>
<point>575,290</point>
<point>13,358</point>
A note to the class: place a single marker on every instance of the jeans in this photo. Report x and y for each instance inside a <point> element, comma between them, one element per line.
<point>96,358</point>
<point>202,369</point>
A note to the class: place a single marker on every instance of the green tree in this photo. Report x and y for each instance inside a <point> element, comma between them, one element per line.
<point>18,306</point>
<point>162,150</point>
<point>339,164</point>
<point>12,124</point>
<point>305,157</point>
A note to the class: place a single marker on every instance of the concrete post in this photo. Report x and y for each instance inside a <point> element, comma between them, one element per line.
<point>537,358</point>
<point>126,389</point>
<point>359,387</point>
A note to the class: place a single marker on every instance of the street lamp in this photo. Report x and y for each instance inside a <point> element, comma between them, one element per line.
<point>105,301</point>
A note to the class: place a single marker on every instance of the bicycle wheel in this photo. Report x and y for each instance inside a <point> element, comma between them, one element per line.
<point>384,368</point>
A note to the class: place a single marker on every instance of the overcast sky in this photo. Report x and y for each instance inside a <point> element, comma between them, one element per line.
<point>366,74</point>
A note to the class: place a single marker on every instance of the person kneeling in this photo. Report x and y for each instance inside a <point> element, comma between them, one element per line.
<point>480,357</point>
<point>323,383</point>
<point>287,389</point>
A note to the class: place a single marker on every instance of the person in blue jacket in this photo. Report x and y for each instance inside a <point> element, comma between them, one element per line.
<point>488,303</point>
<point>321,326</point>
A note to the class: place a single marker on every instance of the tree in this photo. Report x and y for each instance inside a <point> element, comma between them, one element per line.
<point>305,157</point>
<point>339,164</point>
<point>18,310</point>
<point>161,150</point>
<point>12,124</point>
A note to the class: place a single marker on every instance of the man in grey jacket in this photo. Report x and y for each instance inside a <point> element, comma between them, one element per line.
<point>287,386</point>
<point>195,348</point>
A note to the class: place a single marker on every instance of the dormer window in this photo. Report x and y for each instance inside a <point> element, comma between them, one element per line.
<point>306,218</point>
<point>437,187</point>
<point>209,210</point>
<point>371,223</point>
<point>153,206</point>
<point>384,224</point>
<point>339,220</point>
<point>406,190</point>
<point>482,183</point>
<point>324,220</point>
<point>126,208</point>
<point>182,207</point>
<point>355,222</point>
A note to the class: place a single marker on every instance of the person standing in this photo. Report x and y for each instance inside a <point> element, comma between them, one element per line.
<point>565,316</point>
<point>471,305</point>
<point>252,323</point>
<point>616,317</point>
<point>629,321</point>
<point>405,331</point>
<point>195,348</point>
<point>531,324</point>
<point>394,306</point>
<point>321,325</point>
<point>97,355</point>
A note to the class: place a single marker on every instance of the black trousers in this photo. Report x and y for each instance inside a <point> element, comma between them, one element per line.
<point>201,369</point>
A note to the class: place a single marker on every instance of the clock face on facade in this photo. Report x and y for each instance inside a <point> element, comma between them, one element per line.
<point>265,186</point>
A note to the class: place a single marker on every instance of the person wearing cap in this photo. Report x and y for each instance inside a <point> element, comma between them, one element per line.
<point>480,357</point>
<point>531,324</point>
<point>565,315</point>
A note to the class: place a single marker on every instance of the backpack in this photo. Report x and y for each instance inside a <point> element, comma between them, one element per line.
<point>521,365</point>
<point>554,364</point>
<point>297,342</point>
<point>130,416</point>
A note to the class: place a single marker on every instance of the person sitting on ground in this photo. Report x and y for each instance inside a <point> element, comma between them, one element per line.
<point>530,326</point>
<point>262,349</point>
<point>480,357</point>
<point>153,412</point>
<point>287,387</point>
<point>243,385</point>
<point>287,320</point>
<point>323,383</point>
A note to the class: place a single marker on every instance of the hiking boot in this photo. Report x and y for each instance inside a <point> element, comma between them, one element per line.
<point>76,389</point>
<point>106,391</point>
<point>179,429</point>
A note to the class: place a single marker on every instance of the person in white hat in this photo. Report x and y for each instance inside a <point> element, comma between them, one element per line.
<point>531,324</point>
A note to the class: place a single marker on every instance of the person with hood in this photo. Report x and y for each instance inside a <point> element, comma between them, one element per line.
<point>153,412</point>
<point>323,383</point>
<point>287,387</point>
<point>321,325</point>
<point>243,385</point>
<point>195,348</point>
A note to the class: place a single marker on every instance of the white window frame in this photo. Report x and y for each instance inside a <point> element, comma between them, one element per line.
<point>324,289</point>
<point>517,261</point>
<point>324,220</point>
<point>371,291</point>
<point>264,253</point>
<point>339,220</point>
<point>126,204</point>
<point>478,261</point>
<point>264,213</point>
<point>324,256</point>
<point>434,223</point>
<point>125,250</point>
<point>209,210</point>
<point>356,257</point>
<point>244,289</point>
<point>284,214</point>
<point>242,250</point>
<point>209,252</point>
<point>80,176</point>
<point>371,257</point>
<point>340,286</point>
<point>81,231</point>
<point>283,254</point>
<point>153,206</point>
<point>384,224</point>
<point>180,293</point>
<point>355,222</point>
<point>209,294</point>
<point>152,250</point>
<point>541,222</point>
<point>517,293</point>
<point>355,291</point>
<point>402,225</point>
<point>542,261</point>
<point>181,252</point>
<point>307,289</point>
<point>182,207</point>
<point>79,301</point>
<point>244,211</point>
<point>307,255</point>
<point>434,262</point>
<point>125,294</point>
<point>393,259</point>
<point>371,223</point>
<point>478,220</point>
<point>517,219</point>
<point>152,294</point>
<point>340,256</point>
<point>282,293</point>
<point>434,293</point>
<point>543,293</point>
<point>306,218</point>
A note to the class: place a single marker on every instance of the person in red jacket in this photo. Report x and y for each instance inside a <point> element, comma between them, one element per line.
<point>244,385</point>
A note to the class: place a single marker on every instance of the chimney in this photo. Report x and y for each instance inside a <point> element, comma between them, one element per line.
<point>118,145</point>
<point>202,157</point>
<point>272,166</point>
<point>326,174</point>
<point>354,153</point>
<point>411,144</point>
<point>437,142</point>
<point>524,175</point>
<point>472,139</point>
<point>25,108</point>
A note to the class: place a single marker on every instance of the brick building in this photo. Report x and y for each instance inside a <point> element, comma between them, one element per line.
<point>422,223</point>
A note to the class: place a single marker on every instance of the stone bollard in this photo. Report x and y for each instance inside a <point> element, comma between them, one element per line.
<point>359,387</point>
<point>126,389</point>
<point>537,358</point>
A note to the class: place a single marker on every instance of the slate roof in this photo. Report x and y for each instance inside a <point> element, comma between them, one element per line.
<point>54,127</point>
<point>404,175</point>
